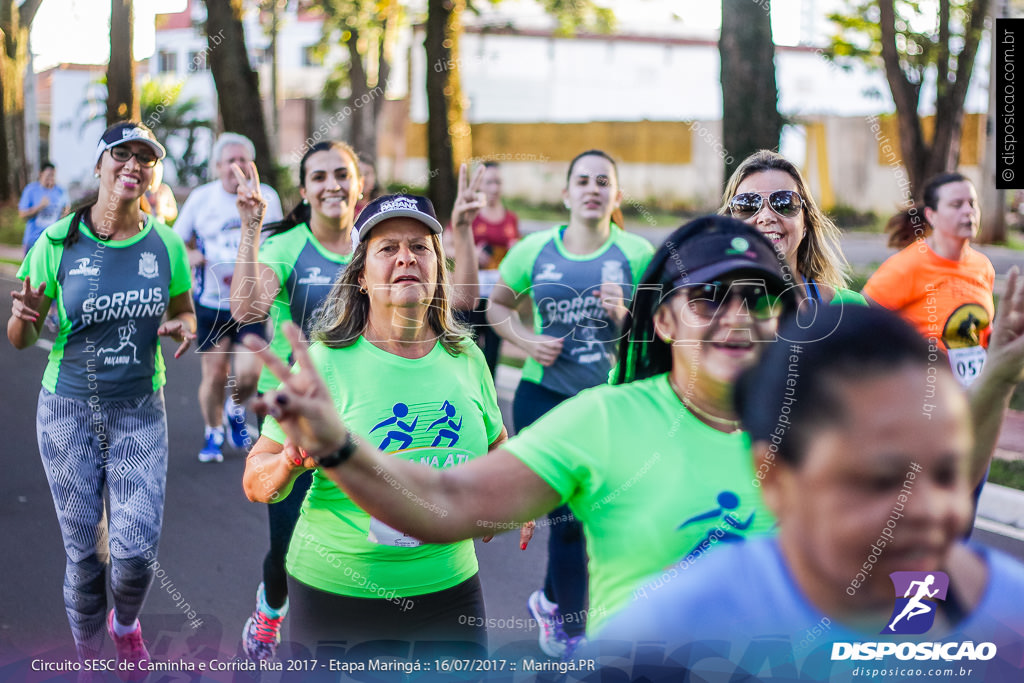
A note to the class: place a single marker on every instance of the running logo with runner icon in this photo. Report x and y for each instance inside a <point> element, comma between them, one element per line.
<point>400,427</point>
<point>917,596</point>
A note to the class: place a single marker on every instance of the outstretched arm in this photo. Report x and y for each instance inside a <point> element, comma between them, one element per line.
<point>435,506</point>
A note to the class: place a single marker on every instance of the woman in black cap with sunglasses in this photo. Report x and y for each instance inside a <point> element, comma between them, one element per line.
<point>656,468</point>
<point>122,281</point>
<point>769,192</point>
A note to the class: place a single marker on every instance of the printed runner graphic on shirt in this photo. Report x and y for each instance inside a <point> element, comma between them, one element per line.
<point>422,432</point>
<point>125,332</point>
<point>727,501</point>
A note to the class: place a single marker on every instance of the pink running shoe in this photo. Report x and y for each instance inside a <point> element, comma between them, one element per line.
<point>130,648</point>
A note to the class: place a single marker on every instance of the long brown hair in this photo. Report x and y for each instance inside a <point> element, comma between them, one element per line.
<point>818,257</point>
<point>346,311</point>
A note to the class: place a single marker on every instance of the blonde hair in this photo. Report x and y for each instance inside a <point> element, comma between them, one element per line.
<point>346,311</point>
<point>818,257</point>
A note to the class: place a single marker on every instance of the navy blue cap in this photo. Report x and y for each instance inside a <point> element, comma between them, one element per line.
<point>397,206</point>
<point>129,131</point>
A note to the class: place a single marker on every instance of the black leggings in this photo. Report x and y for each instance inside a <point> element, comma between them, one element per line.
<point>566,579</point>
<point>283,516</point>
<point>489,340</point>
<point>452,620</point>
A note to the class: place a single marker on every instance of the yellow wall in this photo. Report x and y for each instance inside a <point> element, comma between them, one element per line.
<point>640,142</point>
<point>972,139</point>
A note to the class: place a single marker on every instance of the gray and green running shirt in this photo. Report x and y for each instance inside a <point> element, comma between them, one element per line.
<point>306,272</point>
<point>111,298</point>
<point>565,292</point>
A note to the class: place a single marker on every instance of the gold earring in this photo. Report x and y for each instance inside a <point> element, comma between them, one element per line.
<point>362,289</point>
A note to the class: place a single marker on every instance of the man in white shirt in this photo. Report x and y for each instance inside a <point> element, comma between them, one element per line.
<point>209,223</point>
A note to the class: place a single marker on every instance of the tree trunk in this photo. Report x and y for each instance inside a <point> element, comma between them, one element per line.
<point>238,90</point>
<point>448,133</point>
<point>993,201</point>
<point>750,117</point>
<point>921,159</point>
<point>122,104</point>
<point>15,23</point>
<point>363,123</point>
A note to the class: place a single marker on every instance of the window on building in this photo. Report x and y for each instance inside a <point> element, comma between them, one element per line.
<point>167,62</point>
<point>311,56</point>
<point>197,61</point>
<point>259,56</point>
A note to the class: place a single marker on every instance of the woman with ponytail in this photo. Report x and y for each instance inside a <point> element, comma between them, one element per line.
<point>937,282</point>
<point>121,281</point>
<point>580,278</point>
<point>289,280</point>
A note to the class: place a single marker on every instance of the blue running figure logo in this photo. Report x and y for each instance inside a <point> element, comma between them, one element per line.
<point>399,410</point>
<point>727,500</point>
<point>450,430</point>
<point>921,604</point>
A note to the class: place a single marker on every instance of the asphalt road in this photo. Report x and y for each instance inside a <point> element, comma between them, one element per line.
<point>211,549</point>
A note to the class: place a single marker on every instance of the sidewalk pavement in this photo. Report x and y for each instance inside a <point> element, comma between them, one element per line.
<point>1000,506</point>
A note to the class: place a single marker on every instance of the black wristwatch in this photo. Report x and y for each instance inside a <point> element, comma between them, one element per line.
<point>344,452</point>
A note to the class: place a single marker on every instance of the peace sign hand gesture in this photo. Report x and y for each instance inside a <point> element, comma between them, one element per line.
<point>470,199</point>
<point>251,204</point>
<point>302,405</point>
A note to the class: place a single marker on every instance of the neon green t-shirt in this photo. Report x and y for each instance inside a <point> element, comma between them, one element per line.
<point>650,483</point>
<point>564,289</point>
<point>440,410</point>
<point>306,272</point>
<point>111,298</point>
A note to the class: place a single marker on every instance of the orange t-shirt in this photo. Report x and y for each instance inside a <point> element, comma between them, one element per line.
<point>943,299</point>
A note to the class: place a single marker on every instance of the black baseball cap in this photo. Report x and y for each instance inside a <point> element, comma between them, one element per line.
<point>128,131</point>
<point>397,206</point>
<point>711,247</point>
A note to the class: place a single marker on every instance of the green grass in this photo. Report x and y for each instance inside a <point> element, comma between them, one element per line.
<point>849,218</point>
<point>12,228</point>
<point>1007,473</point>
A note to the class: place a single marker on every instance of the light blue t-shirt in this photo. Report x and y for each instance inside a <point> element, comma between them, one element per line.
<point>31,198</point>
<point>739,613</point>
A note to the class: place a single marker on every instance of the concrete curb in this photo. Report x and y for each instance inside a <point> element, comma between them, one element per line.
<point>1002,505</point>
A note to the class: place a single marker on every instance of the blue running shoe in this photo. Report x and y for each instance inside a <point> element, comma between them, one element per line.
<point>211,450</point>
<point>238,430</point>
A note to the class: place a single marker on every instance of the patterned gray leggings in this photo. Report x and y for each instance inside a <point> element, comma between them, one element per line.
<point>121,446</point>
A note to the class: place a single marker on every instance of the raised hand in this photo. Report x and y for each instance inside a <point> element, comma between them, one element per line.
<point>1006,345</point>
<point>302,405</point>
<point>470,198</point>
<point>251,204</point>
<point>27,301</point>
